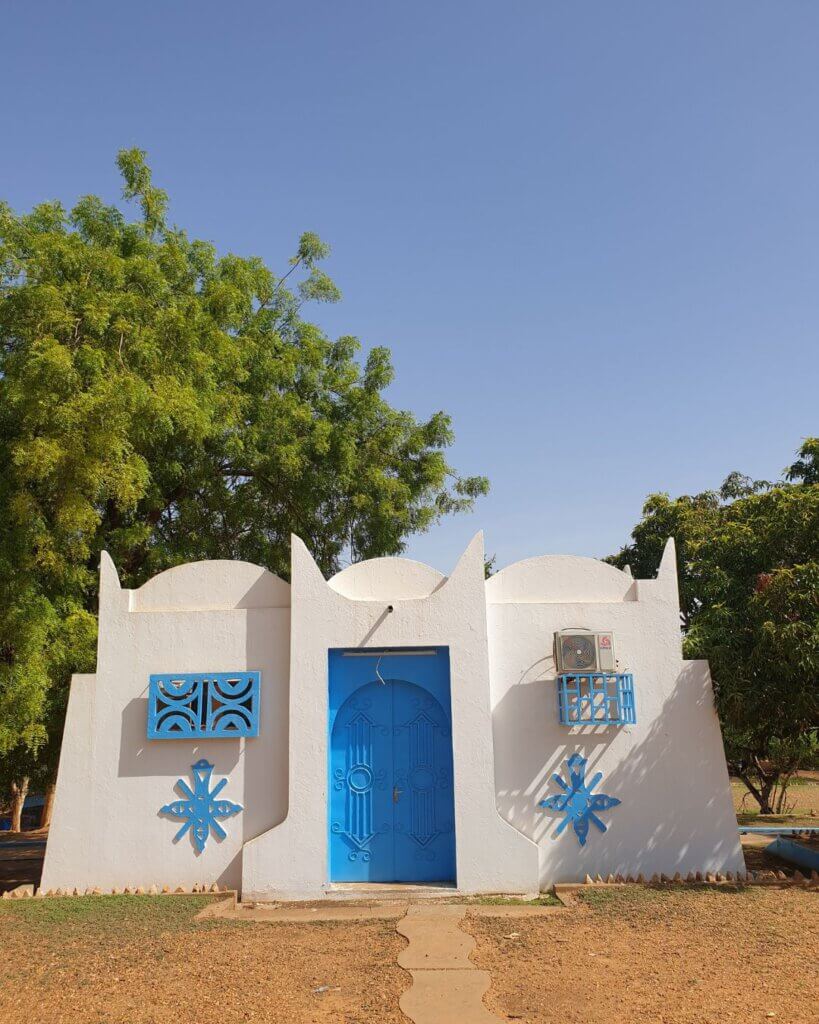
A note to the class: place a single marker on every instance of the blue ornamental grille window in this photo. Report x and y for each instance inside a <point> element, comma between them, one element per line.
<point>596,698</point>
<point>203,704</point>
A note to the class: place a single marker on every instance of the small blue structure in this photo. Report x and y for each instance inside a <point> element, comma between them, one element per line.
<point>596,698</point>
<point>797,853</point>
<point>779,830</point>
<point>577,802</point>
<point>787,848</point>
<point>203,704</point>
<point>201,810</point>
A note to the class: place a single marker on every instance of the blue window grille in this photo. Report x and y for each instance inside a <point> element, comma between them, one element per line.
<point>203,704</point>
<point>596,698</point>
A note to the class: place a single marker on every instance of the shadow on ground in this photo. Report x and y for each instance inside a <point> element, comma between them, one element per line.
<point>21,858</point>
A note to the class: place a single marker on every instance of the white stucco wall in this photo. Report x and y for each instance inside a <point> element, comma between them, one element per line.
<point>668,770</point>
<point>291,859</point>
<point>112,781</point>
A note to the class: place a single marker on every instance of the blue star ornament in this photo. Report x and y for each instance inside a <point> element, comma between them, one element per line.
<point>577,802</point>
<point>200,809</point>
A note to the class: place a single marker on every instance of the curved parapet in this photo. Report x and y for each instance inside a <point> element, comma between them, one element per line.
<point>561,579</point>
<point>386,579</point>
<point>216,584</point>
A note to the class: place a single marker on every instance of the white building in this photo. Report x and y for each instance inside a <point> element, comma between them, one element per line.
<point>390,725</point>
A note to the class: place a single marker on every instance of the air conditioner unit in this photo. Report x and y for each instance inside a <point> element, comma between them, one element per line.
<point>581,650</point>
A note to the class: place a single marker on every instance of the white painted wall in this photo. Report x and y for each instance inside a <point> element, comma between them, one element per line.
<point>668,770</point>
<point>291,860</point>
<point>106,830</point>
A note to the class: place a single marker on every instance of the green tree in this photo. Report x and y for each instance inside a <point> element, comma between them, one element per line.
<point>168,404</point>
<point>748,561</point>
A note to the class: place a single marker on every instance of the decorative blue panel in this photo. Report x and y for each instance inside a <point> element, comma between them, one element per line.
<point>199,704</point>
<point>424,809</point>
<point>576,802</point>
<point>596,698</point>
<point>200,809</point>
<point>362,783</point>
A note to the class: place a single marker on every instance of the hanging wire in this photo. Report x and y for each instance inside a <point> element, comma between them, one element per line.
<point>381,679</point>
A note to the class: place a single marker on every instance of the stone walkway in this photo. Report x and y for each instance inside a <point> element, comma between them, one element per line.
<point>447,988</point>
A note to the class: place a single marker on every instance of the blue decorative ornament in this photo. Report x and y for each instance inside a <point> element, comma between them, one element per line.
<point>200,704</point>
<point>201,810</point>
<point>577,802</point>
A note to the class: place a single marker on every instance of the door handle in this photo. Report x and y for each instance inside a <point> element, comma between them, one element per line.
<point>396,793</point>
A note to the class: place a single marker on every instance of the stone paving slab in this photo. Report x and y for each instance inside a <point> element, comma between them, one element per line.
<point>447,997</point>
<point>435,940</point>
<point>447,988</point>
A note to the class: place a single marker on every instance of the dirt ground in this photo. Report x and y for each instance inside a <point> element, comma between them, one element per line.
<point>624,956</point>
<point>802,800</point>
<point>143,960</point>
<point>635,956</point>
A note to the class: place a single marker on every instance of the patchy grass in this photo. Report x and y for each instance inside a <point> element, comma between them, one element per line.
<point>546,899</point>
<point>105,913</point>
<point>754,819</point>
<point>615,900</point>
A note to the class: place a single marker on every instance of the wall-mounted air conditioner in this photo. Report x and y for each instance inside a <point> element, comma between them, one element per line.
<point>581,650</point>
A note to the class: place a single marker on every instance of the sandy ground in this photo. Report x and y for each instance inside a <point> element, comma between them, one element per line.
<point>632,956</point>
<point>624,956</point>
<point>677,957</point>
<point>143,960</point>
<point>802,798</point>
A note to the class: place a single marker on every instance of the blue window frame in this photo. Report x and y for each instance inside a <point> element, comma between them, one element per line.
<point>596,698</point>
<point>203,704</point>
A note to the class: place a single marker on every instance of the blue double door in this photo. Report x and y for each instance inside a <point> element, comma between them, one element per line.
<point>391,798</point>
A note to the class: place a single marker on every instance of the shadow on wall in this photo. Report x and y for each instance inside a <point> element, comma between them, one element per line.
<point>676,806</point>
<point>266,776</point>
<point>140,757</point>
<point>262,788</point>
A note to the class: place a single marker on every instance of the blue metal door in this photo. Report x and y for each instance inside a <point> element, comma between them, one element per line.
<point>391,806</point>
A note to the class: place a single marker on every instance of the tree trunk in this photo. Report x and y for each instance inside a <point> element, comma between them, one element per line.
<point>19,792</point>
<point>781,804</point>
<point>761,792</point>
<point>766,789</point>
<point>48,805</point>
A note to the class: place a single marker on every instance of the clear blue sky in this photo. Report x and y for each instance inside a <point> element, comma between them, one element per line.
<point>587,230</point>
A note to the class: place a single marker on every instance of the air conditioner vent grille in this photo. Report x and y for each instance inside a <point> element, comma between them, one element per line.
<point>578,653</point>
<point>578,650</point>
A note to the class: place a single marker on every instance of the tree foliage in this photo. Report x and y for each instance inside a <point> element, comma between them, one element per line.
<point>169,404</point>
<point>748,561</point>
